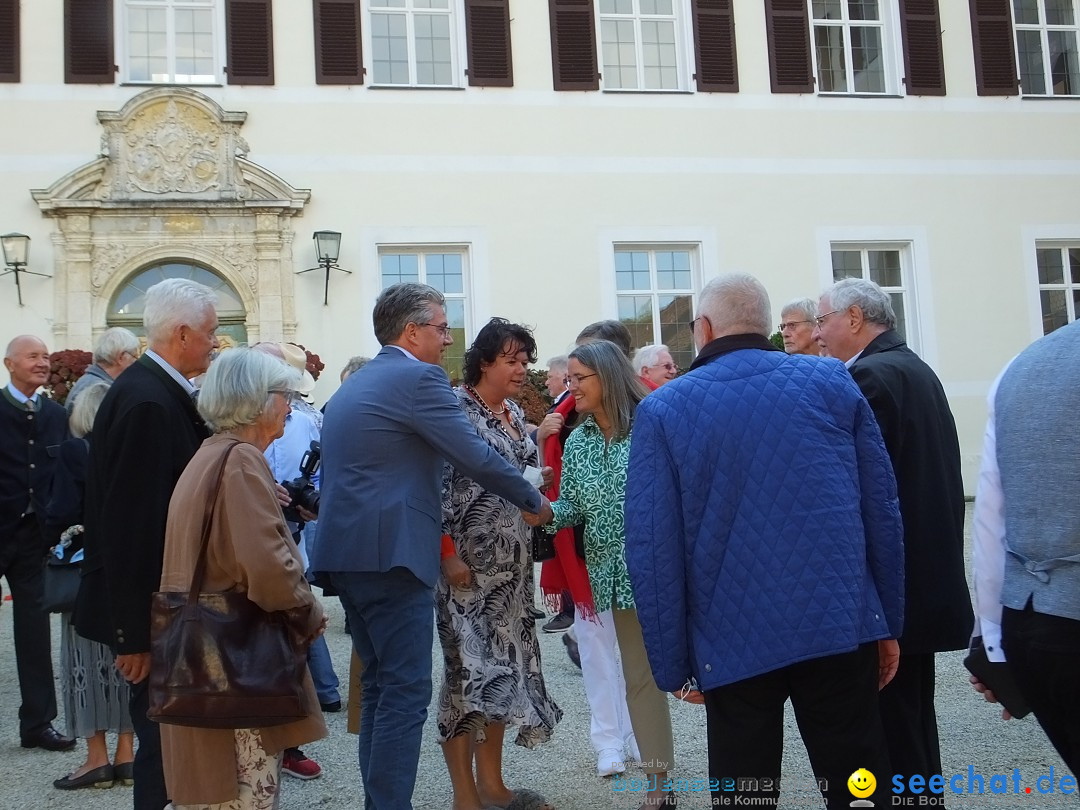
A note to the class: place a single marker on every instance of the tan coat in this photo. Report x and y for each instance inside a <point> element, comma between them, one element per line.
<point>251,551</point>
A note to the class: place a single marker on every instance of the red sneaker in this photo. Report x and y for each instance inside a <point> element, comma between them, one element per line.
<point>296,765</point>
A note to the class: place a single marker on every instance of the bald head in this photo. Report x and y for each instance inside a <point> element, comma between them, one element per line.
<point>27,361</point>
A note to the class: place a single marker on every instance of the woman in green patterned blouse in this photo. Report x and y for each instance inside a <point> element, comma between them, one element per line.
<point>593,487</point>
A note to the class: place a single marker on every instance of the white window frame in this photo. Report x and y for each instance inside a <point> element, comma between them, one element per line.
<point>1043,29</point>
<point>456,13</point>
<point>121,33</point>
<point>1068,286</point>
<point>683,48</point>
<point>891,45</point>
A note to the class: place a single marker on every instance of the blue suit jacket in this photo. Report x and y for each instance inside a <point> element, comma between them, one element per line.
<point>387,431</point>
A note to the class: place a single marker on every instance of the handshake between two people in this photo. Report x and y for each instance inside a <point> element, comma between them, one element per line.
<point>541,518</point>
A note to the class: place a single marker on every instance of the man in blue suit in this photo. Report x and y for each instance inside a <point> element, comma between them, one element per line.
<point>387,432</point>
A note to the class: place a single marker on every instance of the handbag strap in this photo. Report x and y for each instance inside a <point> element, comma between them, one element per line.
<point>208,515</point>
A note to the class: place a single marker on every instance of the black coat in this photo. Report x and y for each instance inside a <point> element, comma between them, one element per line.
<point>29,445</point>
<point>920,435</point>
<point>146,431</point>
<point>68,491</point>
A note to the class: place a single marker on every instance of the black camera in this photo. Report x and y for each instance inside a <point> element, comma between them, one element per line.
<point>302,492</point>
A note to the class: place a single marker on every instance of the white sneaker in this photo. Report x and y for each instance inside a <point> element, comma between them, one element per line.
<point>610,762</point>
<point>632,752</point>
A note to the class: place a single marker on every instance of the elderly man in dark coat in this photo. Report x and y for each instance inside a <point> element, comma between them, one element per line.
<point>856,324</point>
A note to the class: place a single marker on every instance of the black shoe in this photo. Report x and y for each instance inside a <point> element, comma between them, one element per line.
<point>560,624</point>
<point>572,650</point>
<point>102,777</point>
<point>50,739</point>
<point>536,613</point>
<point>125,773</point>
<point>330,708</point>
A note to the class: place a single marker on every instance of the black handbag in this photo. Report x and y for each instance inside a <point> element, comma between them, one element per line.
<point>218,660</point>
<point>61,576</point>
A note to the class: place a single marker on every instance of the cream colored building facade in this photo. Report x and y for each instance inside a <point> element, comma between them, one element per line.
<point>552,207</point>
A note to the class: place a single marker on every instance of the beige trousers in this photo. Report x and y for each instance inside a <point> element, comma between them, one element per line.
<point>648,706</point>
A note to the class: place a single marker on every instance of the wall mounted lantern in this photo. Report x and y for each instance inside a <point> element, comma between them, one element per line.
<point>327,247</point>
<point>16,247</point>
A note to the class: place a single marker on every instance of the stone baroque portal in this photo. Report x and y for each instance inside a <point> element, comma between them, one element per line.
<point>172,182</point>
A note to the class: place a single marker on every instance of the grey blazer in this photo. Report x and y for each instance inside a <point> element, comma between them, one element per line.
<point>387,432</point>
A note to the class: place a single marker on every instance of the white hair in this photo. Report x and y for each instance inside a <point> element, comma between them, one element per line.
<point>874,302</point>
<point>736,304</point>
<point>175,302</point>
<point>238,386</point>
<point>648,356</point>
<point>807,307</point>
<point>113,343</point>
<point>559,361</point>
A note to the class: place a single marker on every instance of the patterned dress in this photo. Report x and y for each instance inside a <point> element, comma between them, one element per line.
<point>488,637</point>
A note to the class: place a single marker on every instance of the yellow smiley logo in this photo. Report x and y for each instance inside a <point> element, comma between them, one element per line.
<point>861,783</point>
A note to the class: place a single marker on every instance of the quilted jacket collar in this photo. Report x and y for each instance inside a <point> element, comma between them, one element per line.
<point>731,343</point>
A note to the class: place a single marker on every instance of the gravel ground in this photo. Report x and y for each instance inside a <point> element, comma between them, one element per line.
<point>972,734</point>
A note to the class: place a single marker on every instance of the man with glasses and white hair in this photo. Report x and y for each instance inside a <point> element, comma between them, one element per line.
<point>146,431</point>
<point>797,321</point>
<point>654,365</point>
<point>857,325</point>
<point>763,543</point>
<point>116,349</point>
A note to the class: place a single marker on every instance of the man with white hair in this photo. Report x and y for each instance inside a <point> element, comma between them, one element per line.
<point>654,365</point>
<point>856,324</point>
<point>116,349</point>
<point>797,321</point>
<point>763,543</point>
<point>146,431</point>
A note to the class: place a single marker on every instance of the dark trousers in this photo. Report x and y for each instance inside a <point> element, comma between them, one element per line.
<point>21,555</point>
<point>392,620</point>
<point>1043,652</point>
<point>149,792</point>
<point>907,713</point>
<point>835,699</point>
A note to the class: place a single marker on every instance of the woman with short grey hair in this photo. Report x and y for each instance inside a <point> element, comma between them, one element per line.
<point>244,399</point>
<point>797,320</point>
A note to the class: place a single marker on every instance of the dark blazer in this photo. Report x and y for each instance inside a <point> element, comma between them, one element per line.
<point>146,431</point>
<point>29,445</point>
<point>920,435</point>
<point>66,503</point>
<point>387,432</point>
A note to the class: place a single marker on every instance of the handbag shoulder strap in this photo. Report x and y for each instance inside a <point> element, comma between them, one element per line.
<point>208,515</point>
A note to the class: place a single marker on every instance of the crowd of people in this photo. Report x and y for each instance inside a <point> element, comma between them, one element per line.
<point>769,525</point>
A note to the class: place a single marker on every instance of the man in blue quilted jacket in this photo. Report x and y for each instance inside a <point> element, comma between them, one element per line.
<point>764,543</point>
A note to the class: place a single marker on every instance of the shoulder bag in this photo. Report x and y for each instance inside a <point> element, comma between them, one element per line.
<point>218,660</point>
<point>61,574</point>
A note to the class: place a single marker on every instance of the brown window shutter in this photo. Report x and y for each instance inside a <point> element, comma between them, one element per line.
<point>249,37</point>
<point>788,28</point>
<point>337,42</point>
<point>9,40</point>
<point>487,37</point>
<point>714,45</point>
<point>992,37</point>
<point>924,67</point>
<point>89,57</point>
<point>573,45</point>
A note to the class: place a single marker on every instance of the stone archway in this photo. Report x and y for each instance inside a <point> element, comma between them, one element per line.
<point>172,183</point>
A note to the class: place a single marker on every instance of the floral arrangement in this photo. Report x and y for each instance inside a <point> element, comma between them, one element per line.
<point>534,399</point>
<point>315,365</point>
<point>65,367</point>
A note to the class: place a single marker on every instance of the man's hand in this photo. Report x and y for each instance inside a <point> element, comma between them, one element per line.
<point>545,515</point>
<point>134,666</point>
<point>550,426</point>
<point>305,515</point>
<point>456,572</point>
<point>984,690</point>
<point>888,660</point>
<point>283,496</point>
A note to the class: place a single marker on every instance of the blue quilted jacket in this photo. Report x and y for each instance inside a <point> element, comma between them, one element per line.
<point>762,523</point>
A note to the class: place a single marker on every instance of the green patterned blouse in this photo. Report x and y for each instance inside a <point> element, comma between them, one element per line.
<point>592,491</point>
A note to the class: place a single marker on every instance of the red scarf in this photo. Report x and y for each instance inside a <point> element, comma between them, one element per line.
<point>567,571</point>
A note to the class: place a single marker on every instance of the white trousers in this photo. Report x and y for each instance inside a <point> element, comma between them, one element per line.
<point>605,688</point>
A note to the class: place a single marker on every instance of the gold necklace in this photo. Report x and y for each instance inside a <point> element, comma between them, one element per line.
<point>481,400</point>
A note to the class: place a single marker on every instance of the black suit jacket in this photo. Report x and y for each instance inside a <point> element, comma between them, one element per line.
<point>920,435</point>
<point>146,431</point>
<point>29,445</point>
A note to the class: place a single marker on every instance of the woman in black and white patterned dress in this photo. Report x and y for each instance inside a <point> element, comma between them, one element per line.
<point>492,660</point>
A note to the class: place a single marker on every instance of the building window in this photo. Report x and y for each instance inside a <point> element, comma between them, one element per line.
<point>1059,284</point>
<point>853,46</point>
<point>414,42</point>
<point>1046,46</point>
<point>445,269</point>
<point>888,266</point>
<point>641,44</point>
<point>173,41</point>
<point>655,287</point>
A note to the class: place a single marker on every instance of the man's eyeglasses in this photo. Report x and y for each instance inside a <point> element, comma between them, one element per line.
<point>693,323</point>
<point>444,329</point>
<point>790,325</point>
<point>575,379</point>
<point>820,319</point>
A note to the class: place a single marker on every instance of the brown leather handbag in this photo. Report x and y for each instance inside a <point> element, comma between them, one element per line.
<point>218,660</point>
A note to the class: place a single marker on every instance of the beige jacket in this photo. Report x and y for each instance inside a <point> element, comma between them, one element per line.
<point>251,551</point>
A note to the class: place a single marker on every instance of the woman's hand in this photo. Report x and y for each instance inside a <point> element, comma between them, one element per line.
<point>548,475</point>
<point>456,572</point>
<point>550,426</point>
